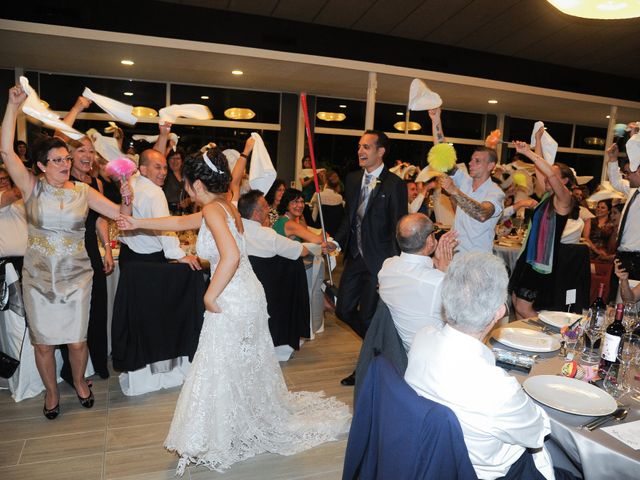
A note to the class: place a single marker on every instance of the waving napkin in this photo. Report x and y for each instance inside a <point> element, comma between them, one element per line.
<point>33,107</point>
<point>188,110</point>
<point>118,110</point>
<point>606,192</point>
<point>549,145</point>
<point>105,146</point>
<point>261,173</point>
<point>232,157</point>
<point>421,97</point>
<point>633,152</point>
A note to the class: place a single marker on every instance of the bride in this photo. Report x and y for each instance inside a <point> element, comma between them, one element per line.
<point>234,403</point>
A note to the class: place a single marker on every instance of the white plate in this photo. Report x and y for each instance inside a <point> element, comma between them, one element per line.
<point>570,395</point>
<point>558,319</point>
<point>526,339</point>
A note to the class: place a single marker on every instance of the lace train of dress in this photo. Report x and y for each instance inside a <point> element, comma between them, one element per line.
<point>234,403</point>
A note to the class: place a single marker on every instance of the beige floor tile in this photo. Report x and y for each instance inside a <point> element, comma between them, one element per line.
<point>78,468</point>
<point>63,446</point>
<point>139,461</point>
<point>66,423</point>
<point>118,399</point>
<point>136,437</point>
<point>10,452</point>
<point>140,415</point>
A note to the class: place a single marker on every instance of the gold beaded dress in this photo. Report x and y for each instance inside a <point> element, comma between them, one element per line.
<point>57,273</point>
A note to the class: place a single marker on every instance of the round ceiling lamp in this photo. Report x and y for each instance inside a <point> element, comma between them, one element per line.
<point>144,112</point>
<point>236,113</point>
<point>599,9</point>
<point>594,141</point>
<point>331,116</point>
<point>401,126</point>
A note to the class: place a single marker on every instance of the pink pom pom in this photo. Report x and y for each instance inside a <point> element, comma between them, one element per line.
<point>121,167</point>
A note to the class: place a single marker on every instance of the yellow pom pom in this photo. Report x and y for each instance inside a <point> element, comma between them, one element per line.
<point>520,179</point>
<point>442,157</point>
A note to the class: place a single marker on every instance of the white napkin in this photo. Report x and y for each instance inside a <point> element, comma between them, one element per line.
<point>421,97</point>
<point>427,175</point>
<point>33,107</point>
<point>188,110</point>
<point>633,152</point>
<point>583,179</point>
<point>549,145</point>
<point>208,146</point>
<point>118,110</point>
<point>316,250</point>
<point>232,157</point>
<point>627,433</point>
<point>105,146</point>
<point>403,170</point>
<point>606,192</point>
<point>262,174</point>
<point>154,139</point>
<point>111,128</point>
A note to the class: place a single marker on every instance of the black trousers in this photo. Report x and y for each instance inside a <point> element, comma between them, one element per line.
<point>357,295</point>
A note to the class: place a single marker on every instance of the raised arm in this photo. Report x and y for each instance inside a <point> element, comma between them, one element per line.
<point>216,220</point>
<point>170,224</point>
<point>563,200</point>
<point>239,169</point>
<point>163,138</point>
<point>613,170</point>
<point>80,105</point>
<point>436,126</point>
<point>20,175</point>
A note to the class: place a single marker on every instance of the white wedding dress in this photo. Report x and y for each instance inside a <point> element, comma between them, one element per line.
<point>234,403</point>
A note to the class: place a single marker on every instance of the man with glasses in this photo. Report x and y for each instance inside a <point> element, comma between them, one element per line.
<point>411,283</point>
<point>628,242</point>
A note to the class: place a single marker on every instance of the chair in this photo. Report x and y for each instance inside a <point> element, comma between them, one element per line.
<point>332,215</point>
<point>396,434</point>
<point>285,286</point>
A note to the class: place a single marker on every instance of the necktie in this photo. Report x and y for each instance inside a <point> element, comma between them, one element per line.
<point>365,191</point>
<point>624,217</point>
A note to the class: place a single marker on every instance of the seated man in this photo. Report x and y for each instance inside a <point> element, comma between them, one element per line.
<point>409,284</point>
<point>276,261</point>
<point>453,366</point>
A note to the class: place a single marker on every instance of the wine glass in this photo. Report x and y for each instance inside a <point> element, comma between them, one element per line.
<point>630,318</point>
<point>627,353</point>
<point>594,332</point>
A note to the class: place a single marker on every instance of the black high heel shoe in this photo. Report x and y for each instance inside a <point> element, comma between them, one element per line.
<point>52,413</point>
<point>86,402</point>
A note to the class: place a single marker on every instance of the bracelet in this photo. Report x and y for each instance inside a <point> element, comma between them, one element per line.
<point>244,156</point>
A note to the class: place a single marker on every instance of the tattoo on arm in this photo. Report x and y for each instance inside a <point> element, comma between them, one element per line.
<point>439,134</point>
<point>476,210</point>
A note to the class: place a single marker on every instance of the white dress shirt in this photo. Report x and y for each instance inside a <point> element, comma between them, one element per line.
<point>149,202</point>
<point>411,288</point>
<point>473,235</point>
<point>265,242</point>
<point>499,421</point>
<point>572,231</point>
<point>631,235</point>
<point>13,229</point>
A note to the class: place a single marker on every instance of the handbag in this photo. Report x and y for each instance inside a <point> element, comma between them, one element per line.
<point>8,364</point>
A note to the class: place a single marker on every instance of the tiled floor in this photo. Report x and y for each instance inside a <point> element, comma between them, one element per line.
<point>121,437</point>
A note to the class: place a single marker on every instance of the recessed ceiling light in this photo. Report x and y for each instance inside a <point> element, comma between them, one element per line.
<point>608,116</point>
<point>205,97</point>
<point>598,9</point>
<point>127,62</point>
<point>128,94</point>
<point>492,101</point>
<point>342,106</point>
<point>400,114</point>
<point>331,116</point>
<point>236,113</point>
<point>237,72</point>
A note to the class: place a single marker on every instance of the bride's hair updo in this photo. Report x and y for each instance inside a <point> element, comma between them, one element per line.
<point>216,179</point>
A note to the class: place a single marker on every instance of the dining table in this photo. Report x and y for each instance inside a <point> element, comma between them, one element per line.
<point>595,454</point>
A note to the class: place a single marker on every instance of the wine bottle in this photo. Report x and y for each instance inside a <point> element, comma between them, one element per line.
<point>612,341</point>
<point>597,313</point>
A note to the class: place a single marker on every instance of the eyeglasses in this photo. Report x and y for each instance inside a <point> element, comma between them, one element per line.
<point>61,160</point>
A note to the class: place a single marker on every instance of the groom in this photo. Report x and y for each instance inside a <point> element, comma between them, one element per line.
<point>375,200</point>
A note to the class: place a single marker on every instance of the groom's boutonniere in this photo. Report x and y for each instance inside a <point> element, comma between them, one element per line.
<point>375,183</point>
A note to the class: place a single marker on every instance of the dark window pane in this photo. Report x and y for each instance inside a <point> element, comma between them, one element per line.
<point>458,124</point>
<point>584,165</point>
<point>265,105</point>
<point>62,91</point>
<point>353,109</point>
<point>7,80</point>
<point>590,137</point>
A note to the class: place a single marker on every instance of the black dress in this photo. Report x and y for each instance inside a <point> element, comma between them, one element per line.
<point>97,331</point>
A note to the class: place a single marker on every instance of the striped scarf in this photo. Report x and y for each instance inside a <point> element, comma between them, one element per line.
<point>542,229</point>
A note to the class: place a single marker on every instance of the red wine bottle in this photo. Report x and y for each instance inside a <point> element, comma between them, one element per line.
<point>597,313</point>
<point>612,341</point>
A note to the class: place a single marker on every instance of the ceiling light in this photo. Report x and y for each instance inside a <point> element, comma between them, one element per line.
<point>236,113</point>
<point>144,112</point>
<point>608,116</point>
<point>331,116</point>
<point>402,126</point>
<point>128,94</point>
<point>400,114</point>
<point>127,62</point>
<point>205,97</point>
<point>599,142</point>
<point>492,101</point>
<point>342,106</point>
<point>237,72</point>
<point>599,9</point>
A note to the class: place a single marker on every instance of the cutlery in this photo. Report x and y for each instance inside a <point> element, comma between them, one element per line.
<point>618,415</point>
<point>536,323</point>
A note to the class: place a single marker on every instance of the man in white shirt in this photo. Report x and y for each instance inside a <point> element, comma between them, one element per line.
<point>149,201</point>
<point>410,284</point>
<point>479,200</point>
<point>454,367</point>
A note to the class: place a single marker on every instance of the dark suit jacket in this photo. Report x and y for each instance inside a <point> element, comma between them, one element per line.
<point>387,204</point>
